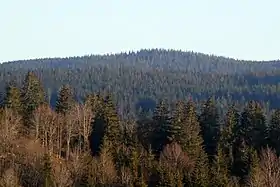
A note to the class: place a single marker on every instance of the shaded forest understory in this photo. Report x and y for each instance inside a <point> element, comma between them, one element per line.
<point>151,118</point>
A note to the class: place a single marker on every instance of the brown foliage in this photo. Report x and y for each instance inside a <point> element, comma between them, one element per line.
<point>85,116</point>
<point>62,175</point>
<point>267,173</point>
<point>45,126</point>
<point>9,179</point>
<point>9,126</point>
<point>102,170</point>
<point>173,157</point>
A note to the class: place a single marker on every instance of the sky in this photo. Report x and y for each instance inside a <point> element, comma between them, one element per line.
<point>242,29</point>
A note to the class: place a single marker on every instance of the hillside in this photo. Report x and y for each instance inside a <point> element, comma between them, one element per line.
<point>163,130</point>
<point>148,75</point>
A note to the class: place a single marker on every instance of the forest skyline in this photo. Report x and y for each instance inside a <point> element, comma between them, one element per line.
<point>137,51</point>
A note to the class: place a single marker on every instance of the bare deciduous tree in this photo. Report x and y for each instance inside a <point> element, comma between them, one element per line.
<point>59,122</point>
<point>62,175</point>
<point>102,170</point>
<point>267,174</point>
<point>45,126</point>
<point>70,128</point>
<point>9,126</point>
<point>77,165</point>
<point>173,161</point>
<point>85,116</point>
<point>37,121</point>
<point>174,157</point>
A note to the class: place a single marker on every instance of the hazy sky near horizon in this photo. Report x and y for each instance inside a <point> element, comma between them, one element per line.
<point>243,29</point>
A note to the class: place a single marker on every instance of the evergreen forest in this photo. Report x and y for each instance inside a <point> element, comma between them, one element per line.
<point>148,118</point>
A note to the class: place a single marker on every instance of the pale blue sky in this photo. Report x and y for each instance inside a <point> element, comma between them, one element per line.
<point>244,29</point>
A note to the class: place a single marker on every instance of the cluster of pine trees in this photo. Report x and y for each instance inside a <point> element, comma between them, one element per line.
<point>89,144</point>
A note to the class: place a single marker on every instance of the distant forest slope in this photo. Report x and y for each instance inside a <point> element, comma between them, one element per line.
<point>143,77</point>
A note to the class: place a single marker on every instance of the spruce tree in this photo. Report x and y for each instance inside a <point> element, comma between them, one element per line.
<point>228,134</point>
<point>241,154</point>
<point>192,144</point>
<point>255,169</point>
<point>274,131</point>
<point>177,123</point>
<point>210,127</point>
<point>162,128</point>
<point>98,130</point>
<point>253,126</point>
<point>220,172</point>
<point>65,100</point>
<point>106,127</point>
<point>113,129</point>
<point>32,95</point>
<point>12,98</point>
<point>191,140</point>
<point>200,174</point>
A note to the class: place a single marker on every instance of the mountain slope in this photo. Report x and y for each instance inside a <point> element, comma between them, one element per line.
<point>149,75</point>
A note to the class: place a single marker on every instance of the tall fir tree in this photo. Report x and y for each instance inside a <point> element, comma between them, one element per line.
<point>274,131</point>
<point>191,139</point>
<point>200,175</point>
<point>177,123</point>
<point>253,126</point>
<point>65,100</point>
<point>113,127</point>
<point>161,128</point>
<point>241,163</point>
<point>210,127</point>
<point>32,95</point>
<point>252,178</point>
<point>98,130</point>
<point>106,127</point>
<point>192,143</point>
<point>228,134</point>
<point>219,171</point>
<point>12,98</point>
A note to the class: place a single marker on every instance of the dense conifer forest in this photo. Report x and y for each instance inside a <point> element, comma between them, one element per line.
<point>148,118</point>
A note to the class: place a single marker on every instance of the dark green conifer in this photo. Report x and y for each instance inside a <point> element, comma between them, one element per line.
<point>228,134</point>
<point>274,131</point>
<point>253,126</point>
<point>162,128</point>
<point>241,164</point>
<point>32,95</point>
<point>106,127</point>
<point>191,140</point>
<point>12,98</point>
<point>192,143</point>
<point>175,131</point>
<point>65,100</point>
<point>220,172</point>
<point>210,127</point>
<point>200,174</point>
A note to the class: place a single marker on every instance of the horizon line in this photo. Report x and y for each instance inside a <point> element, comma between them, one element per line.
<point>136,51</point>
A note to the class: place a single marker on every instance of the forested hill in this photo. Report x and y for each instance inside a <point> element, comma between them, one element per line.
<point>144,77</point>
<point>154,58</point>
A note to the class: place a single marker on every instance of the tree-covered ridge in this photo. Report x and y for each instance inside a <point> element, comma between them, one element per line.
<point>142,77</point>
<point>155,58</point>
